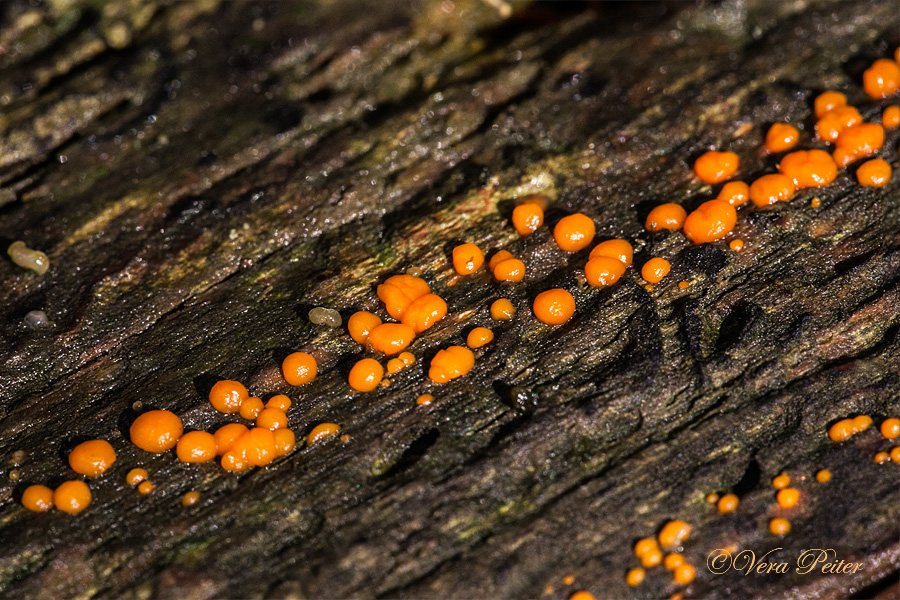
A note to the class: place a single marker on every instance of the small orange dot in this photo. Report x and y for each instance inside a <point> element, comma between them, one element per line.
<point>781,137</point>
<point>823,476</point>
<point>554,307</point>
<point>251,408</point>
<point>651,559</point>
<point>92,458</point>
<point>568,580</point>
<point>527,218</point>
<point>135,476</point>
<point>156,431</point>
<point>736,245</point>
<point>618,249</point>
<point>603,271</point>
<point>728,503</point>
<point>227,396</point>
<point>734,193</point>
<point>882,79</point>
<point>425,399</point>
<point>666,216</point>
<point>196,447</point>
<point>779,526</point>
<point>478,337</point>
<point>395,365</point>
<point>683,285</point>
<point>788,497</point>
<point>712,498</point>
<point>684,574</point>
<point>815,202</point>
<point>451,363</point>
<point>365,375</point>
<point>781,481</point>
<point>874,173</point>
<point>37,498</point>
<point>190,499</point>
<point>360,324</point>
<point>321,432</point>
<point>146,487</point>
<point>655,269</point>
<point>467,258</point>
<point>72,497</point>
<point>715,167</point>
<point>299,368</point>
<point>502,310</point>
<point>574,232</point>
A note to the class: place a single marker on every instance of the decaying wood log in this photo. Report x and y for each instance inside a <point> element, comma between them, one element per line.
<point>201,174</point>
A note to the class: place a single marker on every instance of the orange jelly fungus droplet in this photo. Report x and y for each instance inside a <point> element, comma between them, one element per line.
<point>842,430</point>
<point>665,216</point>
<point>582,595</point>
<point>736,245</point>
<point>645,546</point>
<point>227,435</point>
<point>781,137</point>
<point>259,446</point>
<point>451,363</point>
<point>823,476</point>
<point>715,167</point>
<point>227,396</point>
<point>574,232</point>
<point>135,476</point>
<point>684,285</point>
<point>554,307</point>
<point>815,202</point>
<point>635,576</point>
<point>809,168</point>
<point>72,497</point>
<point>651,559</point>
<point>399,291</point>
<point>196,447</point>
<point>882,457</point>
<point>190,499</point>
<point>734,193</point>
<point>467,258</point>
<point>673,560</point>
<point>391,338</point>
<point>890,428</point>
<point>360,325</point>
<point>395,365</point>
<point>828,101</point>
<point>279,401</point>
<point>322,431</point>
<point>728,503</point>
<point>425,399</point>
<point>858,141</point>
<point>673,534</point>
<point>37,498</point>
<point>511,269</point>
<point>772,188</point>
<point>299,368</point>
<point>655,269</point>
<point>156,431</point>
<point>890,118</point>
<point>781,481</point>
<point>895,454</point>
<point>712,498</point>
<point>618,249</point>
<point>603,271</point>
<point>832,123</point>
<point>882,79</point>
<point>684,574</point>
<point>251,408</point>
<point>272,418</point>
<point>146,487</point>
<point>526,218</point>
<point>478,337</point>
<point>862,422</point>
<point>568,580</point>
<point>502,310</point>
<point>407,357</point>
<point>498,258</point>
<point>92,458</point>
<point>424,311</point>
<point>712,221</point>
<point>285,440</point>
<point>365,375</point>
<point>874,173</point>
<point>779,526</point>
<point>788,497</point>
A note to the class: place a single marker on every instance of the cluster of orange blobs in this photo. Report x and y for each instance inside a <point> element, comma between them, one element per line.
<point>844,429</point>
<point>649,551</point>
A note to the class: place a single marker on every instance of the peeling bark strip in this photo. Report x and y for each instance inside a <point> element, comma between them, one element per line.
<point>202,174</point>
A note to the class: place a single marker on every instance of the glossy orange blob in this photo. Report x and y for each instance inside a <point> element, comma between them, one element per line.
<point>734,193</point>
<point>527,218</point>
<point>227,396</point>
<point>832,123</point>
<point>781,137</point>
<point>502,310</point>
<point>788,497</point>
<point>673,560</point>
<point>284,441</point>
<point>407,357</point>
<point>365,375</point>
<point>618,249</point>
<point>511,269</point>
<point>451,363</point>
<point>862,422</point>
<point>391,338</point>
<point>299,368</point>
<point>655,269</point>
<point>645,546</point>
<point>498,258</point>
<point>603,271</point>
<point>234,461</point>
<point>665,216</point>
<point>425,399</point>
<point>712,221</point>
<point>37,498</point>
<point>251,408</point>
<point>635,576</point>
<point>781,481</point>
<point>574,232</point>
<point>279,401</point>
<point>828,101</point>
<point>156,431</point>
<point>890,428</point>
<point>858,141</point>
<point>399,291</point>
<point>715,167</point>
<point>72,497</point>
<point>424,311</point>
<point>360,325</point>
<point>554,307</point>
<point>467,258</point>
<point>890,118</point>
<point>728,503</point>
<point>772,188</point>
<point>651,559</point>
<point>882,79</point>
<point>895,454</point>
<point>736,245</point>
<point>190,499</point>
<point>92,458</point>
<point>673,534</point>
<point>146,487</point>
<point>842,430</point>
<point>882,457</point>
<point>321,432</point>
<point>479,337</point>
<point>823,476</point>
<point>196,447</point>
<point>135,476</point>
<point>815,202</point>
<point>684,574</point>
<point>712,498</point>
<point>582,595</point>
<point>779,526</point>
<point>874,173</point>
<point>809,168</point>
<point>272,418</point>
<point>227,435</point>
<point>395,365</point>
<point>259,445</point>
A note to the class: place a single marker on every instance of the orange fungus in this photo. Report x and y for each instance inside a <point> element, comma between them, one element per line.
<point>135,476</point>
<point>360,324</point>
<point>715,167</point>
<point>655,269</point>
<point>92,458</point>
<point>882,79</point>
<point>574,232</point>
<point>734,193</point>
<point>37,498</point>
<point>272,418</point>
<point>712,221</point>
<point>72,497</point>
<point>365,375</point>
<point>156,431</point>
<point>781,137</point>
<point>890,118</point>
<point>424,311</point>
<point>299,368</point>
<point>251,408</point>
<point>874,173</point>
<point>279,401</point>
<point>322,431</point>
<point>467,258</point>
<point>771,188</point>
<point>226,435</point>
<point>809,168</point>
<point>828,101</point>
<point>603,271</point>
<point>890,428</point>
<point>451,363</point>
<point>479,337</point>
<point>399,291</point>
<point>618,249</point>
<point>391,338</point>
<point>502,310</point>
<point>227,396</point>
<point>527,218</point>
<point>554,307</point>
<point>665,216</point>
<point>673,534</point>
<point>196,447</point>
<point>834,121</point>
<point>511,269</point>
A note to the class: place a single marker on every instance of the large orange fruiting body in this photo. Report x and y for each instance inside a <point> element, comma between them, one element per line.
<point>511,269</point>
<point>787,497</point>
<point>772,188</point>
<point>424,311</point>
<point>673,534</point>
<point>156,431</point>
<point>72,497</point>
<point>857,141</point>
<point>715,167</point>
<point>391,338</point>
<point>478,337</point>
<point>467,258</point>
<point>781,137</point>
<point>227,396</point>
<point>734,193</point>
<point>711,221</point>
<point>618,249</point>
<point>196,447</point>
<point>399,291</point>
<point>574,232</point>
<point>365,375</point>
<point>874,173</point>
<point>655,269</point>
<point>502,310</point>
<point>828,101</point>
<point>527,218</point>
<point>554,307</point>
<point>299,368</point>
<point>92,458</point>
<point>360,324</point>
<point>451,363</point>
<point>882,79</point>
<point>37,498</point>
<point>603,271</point>
<point>890,428</point>
<point>284,441</point>
<point>665,216</point>
<point>809,168</point>
<point>830,125</point>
